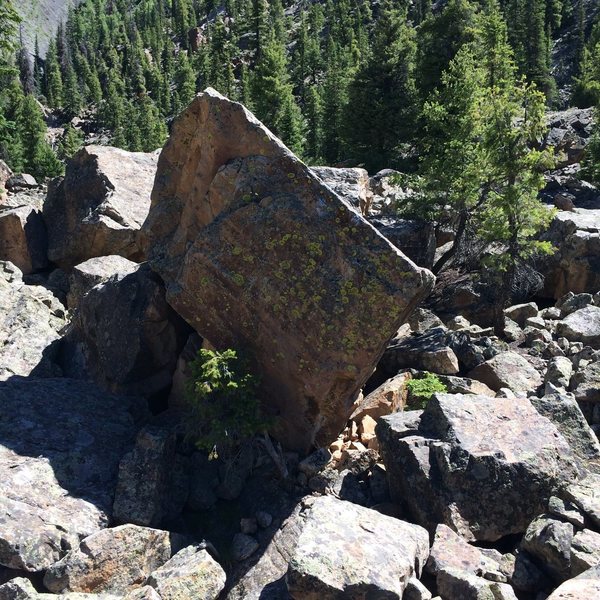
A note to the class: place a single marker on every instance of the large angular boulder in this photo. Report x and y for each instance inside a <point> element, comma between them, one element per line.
<point>31,319</point>
<point>112,560</point>
<point>257,254</point>
<point>60,445</point>
<point>483,466</point>
<point>507,370</point>
<point>23,238</point>
<point>575,267</point>
<point>348,551</point>
<point>99,206</point>
<point>129,336</point>
<point>585,384</point>
<point>583,325</point>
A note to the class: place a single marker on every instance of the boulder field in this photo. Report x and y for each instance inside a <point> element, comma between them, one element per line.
<point>412,453</point>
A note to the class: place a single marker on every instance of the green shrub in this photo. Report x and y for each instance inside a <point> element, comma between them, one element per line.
<point>225,411</point>
<point>422,389</point>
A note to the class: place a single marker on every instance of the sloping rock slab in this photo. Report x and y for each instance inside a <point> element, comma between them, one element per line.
<point>31,319</point>
<point>583,587</point>
<point>348,551</point>
<point>507,370</point>
<point>99,206</point>
<point>483,466</point>
<point>583,325</point>
<point>60,445</point>
<point>257,254</point>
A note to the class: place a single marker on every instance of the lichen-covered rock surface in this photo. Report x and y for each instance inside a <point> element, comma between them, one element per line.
<point>483,466</point>
<point>257,254</point>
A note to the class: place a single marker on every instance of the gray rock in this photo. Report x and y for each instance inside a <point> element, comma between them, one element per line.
<point>585,384</point>
<point>527,576</point>
<point>559,372</point>
<point>112,560</point>
<point>204,480</point>
<point>231,277</point>
<point>585,551</point>
<point>453,583</point>
<point>129,335</point>
<point>351,184</point>
<point>451,552</point>
<point>583,587</point>
<point>347,549</point>
<point>143,593</point>
<point>566,511</point>
<point>564,412</point>
<point>99,207</point>
<point>573,302</point>
<point>483,466</point>
<point>415,590</point>
<point>423,320</point>
<point>61,442</point>
<point>31,320</point>
<point>464,385</point>
<point>18,588</point>
<point>23,238</point>
<point>191,573</point>
<point>391,396</point>
<point>94,271</point>
<point>512,332</point>
<point>21,181</point>
<point>521,312</point>
<point>507,370</point>
<point>585,494</point>
<point>427,352</point>
<point>144,476</point>
<point>549,541</point>
<point>582,326</point>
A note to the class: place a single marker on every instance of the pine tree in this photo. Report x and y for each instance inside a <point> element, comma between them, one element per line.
<point>71,141</point>
<point>382,98</point>
<point>53,87</point>
<point>272,95</point>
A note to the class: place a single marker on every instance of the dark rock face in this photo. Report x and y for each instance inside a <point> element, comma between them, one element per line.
<point>99,206</point>
<point>257,254</point>
<point>60,445</point>
<point>483,466</point>
<point>129,335</point>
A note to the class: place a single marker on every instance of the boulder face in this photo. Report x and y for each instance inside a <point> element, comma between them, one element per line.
<point>258,255</point>
<point>483,466</point>
<point>99,206</point>
<point>129,336</point>
<point>60,445</point>
<point>23,238</point>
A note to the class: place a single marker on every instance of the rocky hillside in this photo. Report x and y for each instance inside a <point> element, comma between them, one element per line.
<point>406,449</point>
<point>41,19</point>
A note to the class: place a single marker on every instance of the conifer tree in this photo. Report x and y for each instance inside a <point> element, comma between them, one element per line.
<point>71,141</point>
<point>382,98</point>
<point>53,83</point>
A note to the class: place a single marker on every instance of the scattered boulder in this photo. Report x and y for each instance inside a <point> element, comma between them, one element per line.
<point>427,352</point>
<point>97,209</point>
<point>389,397</point>
<point>559,372</point>
<point>347,549</point>
<point>129,336</point>
<point>191,573</point>
<point>582,326</point>
<point>5,174</point>
<point>483,466</point>
<point>460,584</point>
<point>94,271</point>
<point>507,370</point>
<point>112,560</point>
<point>521,312</point>
<point>31,319</point>
<point>60,445</point>
<point>585,494</point>
<point>23,238</point>
<point>285,254</point>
